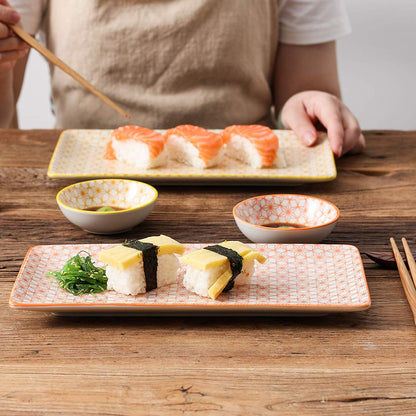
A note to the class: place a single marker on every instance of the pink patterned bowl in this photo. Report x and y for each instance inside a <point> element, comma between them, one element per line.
<point>285,218</point>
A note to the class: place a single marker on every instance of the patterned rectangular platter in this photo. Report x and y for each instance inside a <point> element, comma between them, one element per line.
<point>295,279</point>
<point>79,154</point>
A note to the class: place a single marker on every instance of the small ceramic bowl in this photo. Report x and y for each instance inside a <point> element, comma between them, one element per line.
<point>133,200</point>
<point>312,218</point>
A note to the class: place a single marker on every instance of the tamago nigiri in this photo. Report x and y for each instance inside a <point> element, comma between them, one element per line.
<point>217,268</point>
<point>138,266</point>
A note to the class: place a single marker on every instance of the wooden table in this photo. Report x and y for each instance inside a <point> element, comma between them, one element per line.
<point>355,363</point>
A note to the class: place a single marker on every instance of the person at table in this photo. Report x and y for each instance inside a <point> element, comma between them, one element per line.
<point>210,63</point>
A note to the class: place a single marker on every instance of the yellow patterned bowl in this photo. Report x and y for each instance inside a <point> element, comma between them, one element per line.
<point>285,218</point>
<point>107,206</point>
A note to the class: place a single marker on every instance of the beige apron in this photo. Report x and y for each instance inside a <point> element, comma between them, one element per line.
<point>203,62</point>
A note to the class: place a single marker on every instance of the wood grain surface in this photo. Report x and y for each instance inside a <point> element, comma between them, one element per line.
<point>361,363</point>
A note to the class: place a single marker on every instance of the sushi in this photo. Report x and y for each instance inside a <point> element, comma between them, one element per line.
<point>217,268</point>
<point>254,145</point>
<point>138,266</point>
<point>141,147</point>
<point>194,146</point>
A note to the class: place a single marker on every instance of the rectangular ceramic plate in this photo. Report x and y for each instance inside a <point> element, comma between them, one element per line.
<point>79,154</point>
<point>295,279</point>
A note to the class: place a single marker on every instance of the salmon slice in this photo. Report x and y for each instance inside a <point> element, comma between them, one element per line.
<point>264,140</point>
<point>154,140</point>
<point>207,143</point>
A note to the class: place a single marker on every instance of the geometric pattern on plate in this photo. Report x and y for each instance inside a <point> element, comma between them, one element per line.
<point>293,209</point>
<point>304,277</point>
<point>79,153</point>
<point>106,192</point>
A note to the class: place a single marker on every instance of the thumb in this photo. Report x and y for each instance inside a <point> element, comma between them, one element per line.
<point>297,119</point>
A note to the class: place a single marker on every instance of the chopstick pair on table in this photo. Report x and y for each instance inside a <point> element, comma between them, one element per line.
<point>62,65</point>
<point>408,279</point>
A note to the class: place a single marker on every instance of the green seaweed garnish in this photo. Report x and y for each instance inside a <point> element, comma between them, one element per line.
<point>79,276</point>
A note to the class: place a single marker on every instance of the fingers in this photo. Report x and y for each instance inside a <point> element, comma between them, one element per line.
<point>329,114</point>
<point>354,141</point>
<point>4,31</point>
<point>359,146</point>
<point>12,55</point>
<point>12,44</point>
<point>304,109</point>
<point>11,47</point>
<point>295,117</point>
<point>7,14</point>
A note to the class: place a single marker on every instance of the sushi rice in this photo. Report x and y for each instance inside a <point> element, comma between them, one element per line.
<point>199,281</point>
<point>242,149</point>
<point>137,154</point>
<point>185,152</point>
<point>131,281</point>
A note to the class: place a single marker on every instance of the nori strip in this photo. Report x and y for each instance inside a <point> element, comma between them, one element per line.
<point>149,251</point>
<point>236,262</point>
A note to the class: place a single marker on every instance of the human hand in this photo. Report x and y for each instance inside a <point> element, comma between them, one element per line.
<point>11,47</point>
<point>304,109</point>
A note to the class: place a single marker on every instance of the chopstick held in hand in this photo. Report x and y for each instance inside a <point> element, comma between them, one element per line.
<point>62,65</point>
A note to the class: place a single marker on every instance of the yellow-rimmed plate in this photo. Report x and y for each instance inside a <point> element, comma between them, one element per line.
<point>79,154</point>
<point>295,279</point>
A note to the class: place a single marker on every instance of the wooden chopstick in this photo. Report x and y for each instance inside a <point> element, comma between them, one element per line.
<point>62,65</point>
<point>410,260</point>
<point>407,282</point>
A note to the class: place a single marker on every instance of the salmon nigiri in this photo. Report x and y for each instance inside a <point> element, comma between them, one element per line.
<point>252,144</point>
<point>194,146</point>
<point>138,146</point>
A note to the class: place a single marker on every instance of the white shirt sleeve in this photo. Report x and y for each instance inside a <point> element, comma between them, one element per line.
<point>31,11</point>
<point>304,22</point>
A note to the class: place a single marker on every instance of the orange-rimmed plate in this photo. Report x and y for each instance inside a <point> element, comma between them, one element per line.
<point>295,279</point>
<point>79,154</point>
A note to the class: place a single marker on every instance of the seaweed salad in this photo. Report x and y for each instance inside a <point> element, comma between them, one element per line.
<point>79,276</point>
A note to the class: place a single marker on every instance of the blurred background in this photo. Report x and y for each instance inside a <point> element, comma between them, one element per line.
<point>377,68</point>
